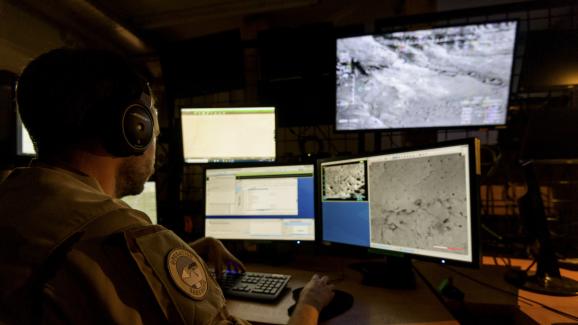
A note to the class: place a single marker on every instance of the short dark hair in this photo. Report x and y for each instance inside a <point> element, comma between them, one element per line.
<point>65,96</point>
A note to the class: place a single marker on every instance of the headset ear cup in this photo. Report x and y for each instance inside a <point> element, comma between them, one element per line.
<point>131,132</point>
<point>137,128</point>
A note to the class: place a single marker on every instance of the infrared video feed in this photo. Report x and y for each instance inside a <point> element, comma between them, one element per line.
<point>420,203</point>
<point>456,76</point>
<point>345,182</point>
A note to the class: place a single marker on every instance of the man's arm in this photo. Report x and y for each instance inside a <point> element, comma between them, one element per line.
<point>304,314</point>
<point>215,253</point>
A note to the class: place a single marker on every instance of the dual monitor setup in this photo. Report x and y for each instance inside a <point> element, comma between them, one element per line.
<point>419,202</point>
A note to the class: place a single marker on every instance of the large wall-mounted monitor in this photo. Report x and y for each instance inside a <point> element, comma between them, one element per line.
<point>146,201</point>
<point>432,78</point>
<point>415,202</point>
<point>231,134</point>
<point>24,145</point>
<point>261,203</point>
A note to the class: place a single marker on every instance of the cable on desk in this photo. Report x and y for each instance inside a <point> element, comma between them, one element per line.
<point>444,302</point>
<point>557,311</point>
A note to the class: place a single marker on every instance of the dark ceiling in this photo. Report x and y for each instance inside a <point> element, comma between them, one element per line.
<point>142,28</point>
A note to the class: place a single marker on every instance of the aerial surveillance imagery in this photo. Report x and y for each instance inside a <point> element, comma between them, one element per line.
<point>423,206</point>
<point>345,182</point>
<point>442,77</point>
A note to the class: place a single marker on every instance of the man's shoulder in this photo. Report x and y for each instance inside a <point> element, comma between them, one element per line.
<point>46,207</point>
<point>119,219</point>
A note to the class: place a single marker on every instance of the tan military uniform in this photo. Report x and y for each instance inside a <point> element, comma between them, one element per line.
<point>69,253</point>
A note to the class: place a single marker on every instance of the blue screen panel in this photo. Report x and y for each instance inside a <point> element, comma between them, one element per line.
<point>346,222</point>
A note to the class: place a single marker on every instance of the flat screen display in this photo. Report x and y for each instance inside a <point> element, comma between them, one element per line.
<point>421,202</point>
<point>223,135</point>
<point>260,203</point>
<point>24,145</point>
<point>432,78</point>
<point>146,201</point>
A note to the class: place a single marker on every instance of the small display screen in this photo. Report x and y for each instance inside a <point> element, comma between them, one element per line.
<point>222,135</point>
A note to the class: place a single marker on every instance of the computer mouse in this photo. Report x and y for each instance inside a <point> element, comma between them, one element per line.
<point>341,302</point>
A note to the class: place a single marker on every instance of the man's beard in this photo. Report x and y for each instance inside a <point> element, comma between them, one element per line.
<point>132,174</point>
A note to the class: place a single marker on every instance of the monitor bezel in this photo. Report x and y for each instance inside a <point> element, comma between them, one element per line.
<point>232,162</point>
<point>437,127</point>
<point>474,178</point>
<point>316,211</point>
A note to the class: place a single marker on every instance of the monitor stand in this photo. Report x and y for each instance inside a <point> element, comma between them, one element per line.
<point>547,279</point>
<point>394,272</point>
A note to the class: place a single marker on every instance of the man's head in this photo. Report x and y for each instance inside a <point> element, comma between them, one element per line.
<point>78,100</point>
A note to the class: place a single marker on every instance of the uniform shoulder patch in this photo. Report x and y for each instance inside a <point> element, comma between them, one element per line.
<point>188,273</point>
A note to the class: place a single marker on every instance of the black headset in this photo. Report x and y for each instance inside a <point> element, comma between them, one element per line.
<point>132,130</point>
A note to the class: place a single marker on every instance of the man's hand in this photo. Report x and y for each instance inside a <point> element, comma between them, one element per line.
<point>217,255</point>
<point>317,292</point>
<point>314,296</point>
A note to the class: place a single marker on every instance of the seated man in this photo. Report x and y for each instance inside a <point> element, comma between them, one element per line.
<point>70,250</point>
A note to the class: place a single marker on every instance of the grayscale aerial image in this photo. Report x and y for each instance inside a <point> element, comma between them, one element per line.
<point>420,203</point>
<point>345,182</point>
<point>455,76</point>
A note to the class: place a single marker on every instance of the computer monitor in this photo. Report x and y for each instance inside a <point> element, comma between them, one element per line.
<point>146,201</point>
<point>421,202</point>
<point>261,203</point>
<point>24,145</point>
<point>430,78</point>
<point>230,134</point>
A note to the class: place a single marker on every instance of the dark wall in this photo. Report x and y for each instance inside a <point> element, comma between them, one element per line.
<point>204,65</point>
<point>296,65</point>
<point>7,119</point>
<point>550,59</point>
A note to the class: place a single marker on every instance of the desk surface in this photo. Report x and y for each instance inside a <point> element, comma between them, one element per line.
<point>487,294</point>
<point>371,305</point>
<point>534,310</point>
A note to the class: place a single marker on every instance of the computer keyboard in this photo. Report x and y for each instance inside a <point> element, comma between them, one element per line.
<point>254,285</point>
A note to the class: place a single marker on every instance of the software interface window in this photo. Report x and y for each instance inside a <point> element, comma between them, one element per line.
<point>145,201</point>
<point>261,203</point>
<point>414,202</point>
<point>228,134</point>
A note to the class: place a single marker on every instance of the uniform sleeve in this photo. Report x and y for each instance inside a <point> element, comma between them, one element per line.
<point>141,275</point>
<point>174,271</point>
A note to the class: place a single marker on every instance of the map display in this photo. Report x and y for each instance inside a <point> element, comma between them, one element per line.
<point>424,204</point>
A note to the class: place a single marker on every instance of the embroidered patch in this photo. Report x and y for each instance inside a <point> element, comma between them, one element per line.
<point>187,273</point>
